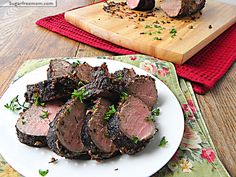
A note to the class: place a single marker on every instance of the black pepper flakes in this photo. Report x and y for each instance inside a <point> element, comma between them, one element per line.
<point>210,26</point>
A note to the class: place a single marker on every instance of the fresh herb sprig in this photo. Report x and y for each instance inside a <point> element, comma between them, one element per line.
<point>37,101</point>
<point>74,64</point>
<point>163,142</point>
<point>80,94</point>
<point>135,139</point>
<point>44,114</point>
<point>124,96</point>
<point>119,76</point>
<point>173,32</point>
<point>15,105</point>
<point>110,113</point>
<point>154,114</point>
<point>157,38</point>
<point>43,172</point>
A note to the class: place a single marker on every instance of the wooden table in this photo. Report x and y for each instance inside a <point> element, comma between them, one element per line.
<point>21,39</point>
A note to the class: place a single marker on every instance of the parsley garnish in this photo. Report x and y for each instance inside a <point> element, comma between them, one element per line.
<point>43,172</point>
<point>157,38</point>
<point>80,83</point>
<point>163,142</point>
<point>154,114</point>
<point>74,64</point>
<point>148,26</point>
<point>124,96</point>
<point>44,114</point>
<point>37,101</point>
<point>135,139</point>
<point>15,105</point>
<point>68,110</point>
<point>120,76</point>
<point>173,32</point>
<point>110,113</point>
<point>80,94</point>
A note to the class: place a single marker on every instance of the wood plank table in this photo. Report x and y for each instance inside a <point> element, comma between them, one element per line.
<point>21,39</point>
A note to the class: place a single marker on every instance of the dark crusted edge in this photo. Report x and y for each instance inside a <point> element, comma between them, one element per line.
<point>144,5</point>
<point>30,140</point>
<point>94,151</point>
<point>123,143</point>
<point>55,145</point>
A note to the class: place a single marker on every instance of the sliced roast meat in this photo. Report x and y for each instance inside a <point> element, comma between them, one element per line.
<point>121,77</point>
<point>84,72</point>
<point>64,135</point>
<point>101,71</point>
<point>101,87</point>
<point>95,134</point>
<point>141,5</point>
<point>33,125</point>
<point>48,90</point>
<point>60,68</point>
<point>144,88</point>
<point>180,8</point>
<point>129,128</point>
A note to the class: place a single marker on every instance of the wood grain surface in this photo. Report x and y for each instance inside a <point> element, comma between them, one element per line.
<point>21,39</point>
<point>138,35</point>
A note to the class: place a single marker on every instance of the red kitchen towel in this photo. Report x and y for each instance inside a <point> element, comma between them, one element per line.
<point>203,70</point>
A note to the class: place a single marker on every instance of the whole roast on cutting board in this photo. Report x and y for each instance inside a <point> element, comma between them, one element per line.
<point>173,8</point>
<point>80,111</point>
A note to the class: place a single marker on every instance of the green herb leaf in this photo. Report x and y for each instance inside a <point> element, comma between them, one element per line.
<point>124,96</point>
<point>156,112</point>
<point>110,113</point>
<point>80,83</point>
<point>163,142</point>
<point>148,26</point>
<point>74,64</point>
<point>157,38</point>
<point>68,110</point>
<point>37,101</point>
<point>120,76</point>
<point>80,94</point>
<point>173,32</point>
<point>15,105</point>
<point>43,172</point>
<point>44,114</point>
<point>135,139</point>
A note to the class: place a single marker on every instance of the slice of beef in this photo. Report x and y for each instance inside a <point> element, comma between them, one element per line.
<point>60,68</point>
<point>144,88</point>
<point>84,72</point>
<point>121,77</point>
<point>33,125</point>
<point>180,8</point>
<point>95,134</point>
<point>129,128</point>
<point>101,71</point>
<point>49,90</point>
<point>64,135</point>
<point>141,5</point>
<point>101,87</point>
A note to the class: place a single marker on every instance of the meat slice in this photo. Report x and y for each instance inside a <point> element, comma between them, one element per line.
<point>95,134</point>
<point>144,88</point>
<point>33,125</point>
<point>64,135</point>
<point>180,8</point>
<point>129,128</point>
<point>141,5</point>
<point>49,90</point>
<point>84,72</point>
<point>60,68</point>
<point>121,77</point>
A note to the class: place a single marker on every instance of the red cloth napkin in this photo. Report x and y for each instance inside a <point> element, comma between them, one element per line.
<point>203,70</point>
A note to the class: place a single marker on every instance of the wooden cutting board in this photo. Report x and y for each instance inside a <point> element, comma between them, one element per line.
<point>152,36</point>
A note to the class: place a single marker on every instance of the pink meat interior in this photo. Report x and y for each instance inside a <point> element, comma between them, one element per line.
<point>132,3</point>
<point>133,119</point>
<point>171,7</point>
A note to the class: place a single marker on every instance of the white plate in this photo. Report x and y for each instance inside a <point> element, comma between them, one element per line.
<point>27,160</point>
